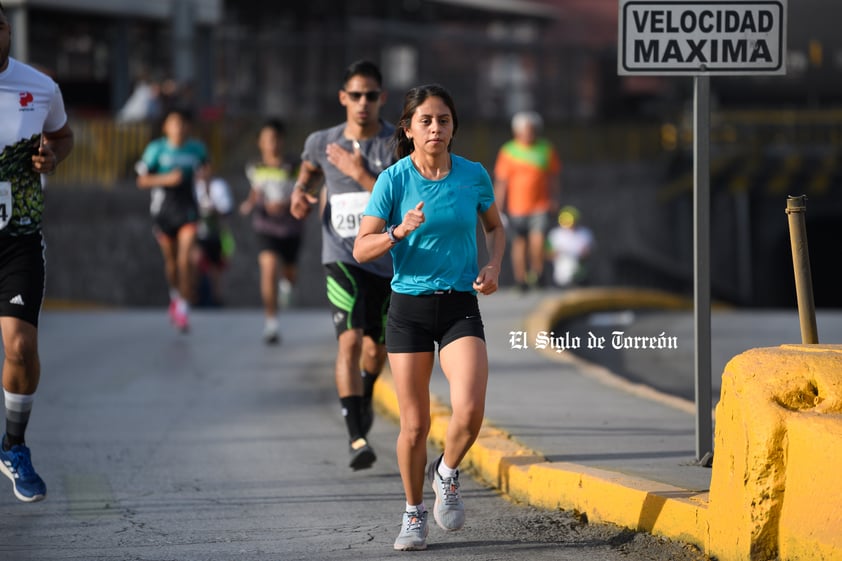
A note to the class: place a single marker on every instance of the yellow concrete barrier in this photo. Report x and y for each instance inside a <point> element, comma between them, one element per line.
<point>811,516</point>
<point>776,489</point>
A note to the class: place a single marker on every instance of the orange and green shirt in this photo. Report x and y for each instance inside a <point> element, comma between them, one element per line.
<point>527,169</point>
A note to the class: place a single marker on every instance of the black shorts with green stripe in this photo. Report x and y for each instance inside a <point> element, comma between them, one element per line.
<point>358,300</point>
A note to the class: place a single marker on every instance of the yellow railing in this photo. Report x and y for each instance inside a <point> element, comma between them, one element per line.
<point>758,128</point>
<point>106,152</point>
<point>103,153</point>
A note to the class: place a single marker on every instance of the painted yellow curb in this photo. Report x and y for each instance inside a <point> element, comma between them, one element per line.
<point>607,496</point>
<point>57,304</point>
<point>524,475</point>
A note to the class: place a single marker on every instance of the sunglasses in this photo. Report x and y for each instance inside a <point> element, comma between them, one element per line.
<point>371,96</point>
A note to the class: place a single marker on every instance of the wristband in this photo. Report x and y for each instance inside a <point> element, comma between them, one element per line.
<point>310,193</point>
<point>391,232</point>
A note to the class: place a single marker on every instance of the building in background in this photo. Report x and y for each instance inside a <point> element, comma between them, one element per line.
<point>98,50</point>
<point>558,56</point>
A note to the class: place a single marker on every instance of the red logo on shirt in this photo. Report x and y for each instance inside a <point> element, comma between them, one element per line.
<point>25,99</point>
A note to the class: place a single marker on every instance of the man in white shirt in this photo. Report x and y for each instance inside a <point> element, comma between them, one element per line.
<point>34,138</point>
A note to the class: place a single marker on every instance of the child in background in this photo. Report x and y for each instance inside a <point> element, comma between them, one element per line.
<point>215,244</point>
<point>569,245</point>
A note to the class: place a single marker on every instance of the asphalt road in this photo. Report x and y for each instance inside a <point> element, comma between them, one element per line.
<point>211,446</point>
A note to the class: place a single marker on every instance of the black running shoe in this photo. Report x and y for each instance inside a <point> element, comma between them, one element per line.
<point>362,455</point>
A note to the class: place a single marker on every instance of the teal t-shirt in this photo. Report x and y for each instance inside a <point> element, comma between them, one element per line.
<point>161,157</point>
<point>442,253</point>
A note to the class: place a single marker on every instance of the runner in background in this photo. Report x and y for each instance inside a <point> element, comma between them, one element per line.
<point>167,169</point>
<point>272,178</point>
<point>526,184</point>
<point>347,159</point>
<point>215,244</point>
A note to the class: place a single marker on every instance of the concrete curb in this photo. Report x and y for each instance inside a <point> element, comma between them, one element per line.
<point>58,304</point>
<point>525,475</point>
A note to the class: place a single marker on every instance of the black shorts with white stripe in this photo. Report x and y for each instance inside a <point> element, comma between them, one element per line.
<point>22,276</point>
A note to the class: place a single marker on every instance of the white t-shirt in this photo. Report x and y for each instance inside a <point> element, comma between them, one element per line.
<point>568,245</point>
<point>30,103</point>
<point>214,197</point>
<point>570,241</point>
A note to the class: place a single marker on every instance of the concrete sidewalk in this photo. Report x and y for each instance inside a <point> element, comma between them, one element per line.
<point>563,432</point>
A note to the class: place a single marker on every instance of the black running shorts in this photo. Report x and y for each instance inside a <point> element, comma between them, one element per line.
<point>22,275</point>
<point>172,218</point>
<point>416,323</point>
<point>211,251</point>
<point>286,248</point>
<point>358,300</point>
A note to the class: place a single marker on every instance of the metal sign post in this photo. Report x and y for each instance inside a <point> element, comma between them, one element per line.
<point>702,38</point>
<point>701,253</point>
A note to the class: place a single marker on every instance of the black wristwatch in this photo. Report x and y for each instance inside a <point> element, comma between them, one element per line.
<point>391,231</point>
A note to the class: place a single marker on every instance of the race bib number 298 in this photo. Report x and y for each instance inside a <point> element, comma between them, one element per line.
<point>346,212</point>
<point>5,203</point>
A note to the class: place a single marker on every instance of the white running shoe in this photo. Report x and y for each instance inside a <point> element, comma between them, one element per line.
<point>413,536</point>
<point>271,333</point>
<point>449,510</point>
<point>284,293</point>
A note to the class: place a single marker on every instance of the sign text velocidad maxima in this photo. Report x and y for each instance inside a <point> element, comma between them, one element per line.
<point>692,37</point>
